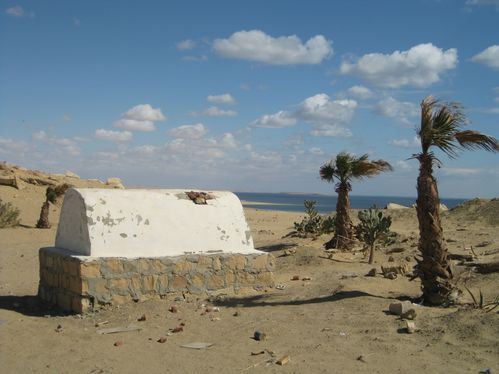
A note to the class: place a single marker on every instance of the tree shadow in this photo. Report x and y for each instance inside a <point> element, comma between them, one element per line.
<point>276,247</point>
<point>30,305</point>
<point>260,300</point>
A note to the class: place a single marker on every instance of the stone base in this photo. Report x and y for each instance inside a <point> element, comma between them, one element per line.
<point>80,283</point>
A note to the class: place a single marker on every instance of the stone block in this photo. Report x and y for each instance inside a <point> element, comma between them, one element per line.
<point>182,267</point>
<point>119,286</point>
<point>260,262</point>
<point>204,262</point>
<point>149,283</point>
<point>245,279</point>
<point>235,262</point>
<point>130,266</point>
<point>215,281</point>
<point>179,283</point>
<point>136,283</point>
<point>163,283</point>
<point>197,283</point>
<point>97,286</point>
<point>90,270</point>
<point>265,279</point>
<point>112,266</point>
<point>216,264</point>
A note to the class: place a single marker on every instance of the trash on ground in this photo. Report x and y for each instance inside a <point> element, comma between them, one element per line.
<point>114,330</point>
<point>197,345</point>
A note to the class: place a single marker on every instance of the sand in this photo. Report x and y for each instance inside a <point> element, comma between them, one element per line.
<point>335,322</point>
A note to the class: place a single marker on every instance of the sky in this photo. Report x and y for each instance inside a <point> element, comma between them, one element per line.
<point>245,95</point>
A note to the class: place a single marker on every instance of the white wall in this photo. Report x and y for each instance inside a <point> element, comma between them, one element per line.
<point>151,223</point>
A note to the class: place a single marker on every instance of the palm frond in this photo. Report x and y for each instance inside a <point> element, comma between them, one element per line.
<point>366,168</point>
<point>328,171</point>
<point>470,139</point>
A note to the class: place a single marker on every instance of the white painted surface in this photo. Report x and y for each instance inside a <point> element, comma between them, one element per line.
<point>151,223</point>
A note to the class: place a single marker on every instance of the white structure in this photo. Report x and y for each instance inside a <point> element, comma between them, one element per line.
<point>151,223</point>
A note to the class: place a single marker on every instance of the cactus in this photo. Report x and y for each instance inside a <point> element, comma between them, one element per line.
<point>9,215</point>
<point>372,227</point>
<point>313,224</point>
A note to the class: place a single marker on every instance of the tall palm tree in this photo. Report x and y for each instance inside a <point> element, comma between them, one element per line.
<point>343,169</point>
<point>441,127</point>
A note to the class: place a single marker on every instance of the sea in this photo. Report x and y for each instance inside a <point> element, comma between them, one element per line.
<point>290,202</point>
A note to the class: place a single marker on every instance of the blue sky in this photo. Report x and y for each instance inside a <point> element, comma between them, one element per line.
<point>245,96</point>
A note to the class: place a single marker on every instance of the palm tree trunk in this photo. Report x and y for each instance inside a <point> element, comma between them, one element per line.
<point>434,268</point>
<point>43,221</point>
<point>343,234</point>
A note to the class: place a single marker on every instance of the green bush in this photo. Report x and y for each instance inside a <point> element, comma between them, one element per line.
<point>9,215</point>
<point>372,227</point>
<point>313,224</point>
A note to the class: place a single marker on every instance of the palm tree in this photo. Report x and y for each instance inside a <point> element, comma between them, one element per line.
<point>441,127</point>
<point>344,168</point>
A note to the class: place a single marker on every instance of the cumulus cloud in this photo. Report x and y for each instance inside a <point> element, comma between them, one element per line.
<point>360,92</point>
<point>460,171</point>
<point>113,136</point>
<point>331,131</point>
<point>419,66</point>
<point>316,151</point>
<point>214,111</point>
<point>255,45</point>
<point>320,108</point>
<point>196,131</point>
<point>483,2</point>
<point>324,114</point>
<point>276,120</point>
<point>140,118</point>
<point>8,145</point>
<point>489,57</point>
<point>221,99</point>
<point>406,143</point>
<point>66,145</point>
<point>186,45</point>
<point>18,11</point>
<point>400,110</point>
<point>403,165</point>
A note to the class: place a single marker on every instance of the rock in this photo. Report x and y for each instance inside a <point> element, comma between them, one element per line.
<point>371,273</point>
<point>295,278</point>
<point>70,174</point>
<point>390,275</point>
<point>115,183</point>
<point>393,206</point>
<point>118,343</point>
<point>391,259</point>
<point>258,335</point>
<point>400,268</point>
<point>162,340</point>
<point>142,318</point>
<point>283,360</point>
<point>410,327</point>
<point>10,180</point>
<point>403,309</point>
<point>173,309</point>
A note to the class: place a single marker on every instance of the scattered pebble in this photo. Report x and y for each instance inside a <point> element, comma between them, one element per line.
<point>59,328</point>
<point>258,335</point>
<point>283,360</point>
<point>295,278</point>
<point>118,343</point>
<point>162,340</point>
<point>173,309</point>
<point>142,318</point>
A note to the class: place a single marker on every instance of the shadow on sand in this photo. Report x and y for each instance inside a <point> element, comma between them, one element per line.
<point>30,305</point>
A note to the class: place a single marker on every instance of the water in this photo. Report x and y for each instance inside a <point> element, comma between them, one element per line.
<point>325,203</point>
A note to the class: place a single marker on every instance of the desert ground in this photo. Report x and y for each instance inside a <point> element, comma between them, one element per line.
<point>334,319</point>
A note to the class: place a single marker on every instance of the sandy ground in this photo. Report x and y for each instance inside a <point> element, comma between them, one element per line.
<point>336,322</point>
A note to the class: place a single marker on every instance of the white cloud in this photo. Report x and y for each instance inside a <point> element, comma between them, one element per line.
<point>360,92</point>
<point>199,58</point>
<point>276,120</point>
<point>489,57</point>
<point>324,114</point>
<point>460,171</point>
<point>403,166</point>
<point>331,131</point>
<point>196,131</point>
<point>483,2</point>
<point>64,145</point>
<point>320,108</point>
<point>140,118</point>
<point>114,136</point>
<point>316,151</point>
<point>406,143</point>
<point>221,99</point>
<point>255,45</point>
<point>18,11</point>
<point>400,110</point>
<point>66,118</point>
<point>214,111</point>
<point>266,158</point>
<point>8,145</point>
<point>186,45</point>
<point>76,22</point>
<point>419,66</point>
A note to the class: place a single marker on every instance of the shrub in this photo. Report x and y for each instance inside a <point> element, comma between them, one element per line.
<point>372,227</point>
<point>9,215</point>
<point>313,224</point>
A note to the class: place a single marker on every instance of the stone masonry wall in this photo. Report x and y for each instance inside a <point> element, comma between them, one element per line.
<point>79,285</point>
